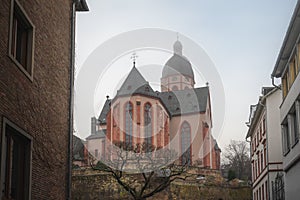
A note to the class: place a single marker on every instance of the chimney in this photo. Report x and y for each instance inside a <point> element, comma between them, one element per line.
<point>93,125</point>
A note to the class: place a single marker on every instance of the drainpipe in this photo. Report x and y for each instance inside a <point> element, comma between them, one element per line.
<point>71,101</point>
<point>273,83</point>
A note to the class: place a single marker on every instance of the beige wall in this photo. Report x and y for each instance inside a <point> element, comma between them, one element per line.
<point>95,144</point>
<point>180,81</point>
<point>196,122</point>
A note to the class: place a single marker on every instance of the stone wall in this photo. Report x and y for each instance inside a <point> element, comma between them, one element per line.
<point>92,185</point>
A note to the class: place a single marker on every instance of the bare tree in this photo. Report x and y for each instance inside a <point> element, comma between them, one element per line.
<point>237,160</point>
<point>142,170</point>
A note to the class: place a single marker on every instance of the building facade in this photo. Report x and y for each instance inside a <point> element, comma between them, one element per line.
<point>179,117</point>
<point>287,69</point>
<point>95,143</point>
<point>265,144</point>
<point>36,84</point>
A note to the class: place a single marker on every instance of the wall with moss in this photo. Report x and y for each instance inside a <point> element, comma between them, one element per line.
<point>94,185</point>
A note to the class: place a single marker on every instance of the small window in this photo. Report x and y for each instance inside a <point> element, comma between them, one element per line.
<point>15,163</point>
<point>285,139</point>
<point>21,39</point>
<point>174,78</point>
<point>147,89</point>
<point>96,153</point>
<point>174,88</point>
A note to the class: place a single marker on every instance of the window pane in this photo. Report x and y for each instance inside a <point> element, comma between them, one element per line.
<point>185,144</point>
<point>148,124</point>
<point>128,123</point>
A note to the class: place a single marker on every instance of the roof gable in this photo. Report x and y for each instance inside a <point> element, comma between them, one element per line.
<point>133,82</point>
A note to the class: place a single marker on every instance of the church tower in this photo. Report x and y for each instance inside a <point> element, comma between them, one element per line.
<point>177,73</point>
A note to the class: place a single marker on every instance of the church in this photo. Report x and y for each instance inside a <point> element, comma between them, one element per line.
<point>179,116</point>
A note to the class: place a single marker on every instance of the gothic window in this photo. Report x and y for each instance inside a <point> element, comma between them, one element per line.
<point>186,144</point>
<point>116,114</point>
<point>148,123</point>
<point>159,125</point>
<point>128,123</point>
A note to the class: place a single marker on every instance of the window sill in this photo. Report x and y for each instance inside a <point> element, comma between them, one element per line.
<point>30,77</point>
<point>294,144</point>
<point>286,153</point>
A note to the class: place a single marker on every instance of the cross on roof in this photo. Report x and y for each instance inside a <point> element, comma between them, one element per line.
<point>134,57</point>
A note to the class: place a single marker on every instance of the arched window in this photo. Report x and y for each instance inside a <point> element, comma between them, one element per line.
<point>148,123</point>
<point>174,88</point>
<point>128,123</point>
<point>186,144</point>
<point>159,127</point>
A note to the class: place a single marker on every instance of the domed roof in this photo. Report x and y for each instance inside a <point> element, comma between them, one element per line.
<point>178,64</point>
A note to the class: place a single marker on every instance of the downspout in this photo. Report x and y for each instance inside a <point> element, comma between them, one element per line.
<point>71,101</point>
<point>273,83</point>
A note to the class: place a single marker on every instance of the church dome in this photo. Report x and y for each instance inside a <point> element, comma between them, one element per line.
<point>178,64</point>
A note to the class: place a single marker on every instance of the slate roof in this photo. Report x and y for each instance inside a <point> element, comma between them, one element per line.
<point>99,134</point>
<point>135,83</point>
<point>105,109</point>
<point>78,148</point>
<point>178,64</point>
<point>176,102</point>
<point>81,5</point>
<point>216,147</point>
<point>185,101</point>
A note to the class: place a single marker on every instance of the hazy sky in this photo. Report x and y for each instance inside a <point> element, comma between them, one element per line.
<point>241,37</point>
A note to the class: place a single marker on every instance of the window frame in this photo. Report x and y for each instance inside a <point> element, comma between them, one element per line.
<point>148,125</point>
<point>128,122</point>
<point>286,146</point>
<point>17,9</point>
<point>20,133</point>
<point>186,131</point>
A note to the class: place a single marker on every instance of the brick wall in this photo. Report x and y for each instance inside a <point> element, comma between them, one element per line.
<point>40,107</point>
